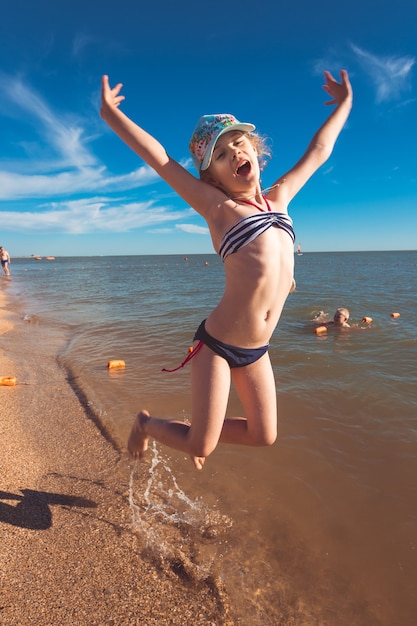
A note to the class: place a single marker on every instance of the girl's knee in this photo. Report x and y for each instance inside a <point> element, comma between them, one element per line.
<point>202,448</point>
<point>265,438</point>
<point>268,441</point>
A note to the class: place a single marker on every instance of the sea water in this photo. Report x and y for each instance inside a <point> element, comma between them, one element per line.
<point>321,528</point>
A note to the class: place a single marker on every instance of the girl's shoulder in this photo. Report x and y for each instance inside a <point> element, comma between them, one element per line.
<point>278,195</point>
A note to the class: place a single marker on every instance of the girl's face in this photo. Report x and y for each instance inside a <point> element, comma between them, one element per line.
<point>234,164</point>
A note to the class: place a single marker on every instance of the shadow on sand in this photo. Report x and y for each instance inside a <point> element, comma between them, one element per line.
<point>33,508</point>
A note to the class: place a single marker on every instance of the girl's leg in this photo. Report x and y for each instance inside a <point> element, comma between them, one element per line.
<point>255,386</point>
<point>210,383</point>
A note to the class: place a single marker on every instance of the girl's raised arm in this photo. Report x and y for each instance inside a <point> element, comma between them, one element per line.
<point>190,188</point>
<point>322,144</point>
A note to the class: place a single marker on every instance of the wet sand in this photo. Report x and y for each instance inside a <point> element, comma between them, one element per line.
<point>68,552</point>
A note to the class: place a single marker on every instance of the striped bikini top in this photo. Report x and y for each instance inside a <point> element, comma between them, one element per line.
<point>248,228</point>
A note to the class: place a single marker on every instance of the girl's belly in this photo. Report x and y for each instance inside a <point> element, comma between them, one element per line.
<point>244,325</point>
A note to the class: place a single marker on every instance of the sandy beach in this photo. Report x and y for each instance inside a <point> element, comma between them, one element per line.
<point>68,552</point>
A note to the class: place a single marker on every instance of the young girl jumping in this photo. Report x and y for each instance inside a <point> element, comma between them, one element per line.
<point>253,234</point>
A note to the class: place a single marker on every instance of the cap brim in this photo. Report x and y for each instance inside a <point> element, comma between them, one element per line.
<point>248,128</point>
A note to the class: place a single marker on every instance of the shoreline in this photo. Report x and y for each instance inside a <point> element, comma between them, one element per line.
<point>69,553</point>
<point>5,325</point>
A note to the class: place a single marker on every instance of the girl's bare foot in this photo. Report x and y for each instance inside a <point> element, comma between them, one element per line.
<point>137,444</point>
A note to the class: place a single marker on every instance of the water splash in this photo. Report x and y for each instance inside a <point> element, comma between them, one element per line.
<point>181,534</point>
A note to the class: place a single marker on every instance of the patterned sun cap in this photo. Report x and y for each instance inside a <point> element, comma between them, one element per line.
<point>209,128</point>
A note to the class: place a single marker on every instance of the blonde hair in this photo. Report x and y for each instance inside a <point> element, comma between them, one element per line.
<point>342,311</point>
<point>260,143</point>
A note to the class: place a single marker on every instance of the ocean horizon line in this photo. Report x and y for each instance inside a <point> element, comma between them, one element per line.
<point>186,254</point>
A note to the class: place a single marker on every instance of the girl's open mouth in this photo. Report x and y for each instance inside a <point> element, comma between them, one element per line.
<point>244,169</point>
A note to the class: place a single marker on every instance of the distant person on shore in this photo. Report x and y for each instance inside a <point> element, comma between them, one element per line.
<point>340,318</point>
<point>231,345</point>
<point>5,260</point>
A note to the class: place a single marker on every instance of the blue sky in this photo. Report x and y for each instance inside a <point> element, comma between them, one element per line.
<point>69,186</point>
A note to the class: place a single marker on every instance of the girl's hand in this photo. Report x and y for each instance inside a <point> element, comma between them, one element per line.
<point>337,91</point>
<point>110,98</point>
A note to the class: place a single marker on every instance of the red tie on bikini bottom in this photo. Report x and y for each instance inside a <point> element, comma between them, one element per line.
<point>189,356</point>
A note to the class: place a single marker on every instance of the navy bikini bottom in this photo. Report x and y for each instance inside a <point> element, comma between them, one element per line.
<point>235,357</point>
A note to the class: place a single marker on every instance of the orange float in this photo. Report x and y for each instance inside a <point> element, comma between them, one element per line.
<point>320,330</point>
<point>395,315</point>
<point>367,320</point>
<point>8,381</point>
<point>116,364</point>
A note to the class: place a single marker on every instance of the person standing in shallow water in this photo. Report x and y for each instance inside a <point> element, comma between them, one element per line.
<point>5,260</point>
<point>253,234</point>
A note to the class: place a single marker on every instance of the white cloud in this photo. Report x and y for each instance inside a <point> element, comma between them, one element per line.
<point>90,216</point>
<point>59,165</point>
<point>60,161</point>
<point>86,180</point>
<point>391,75</point>
<point>193,229</point>
<point>63,133</point>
